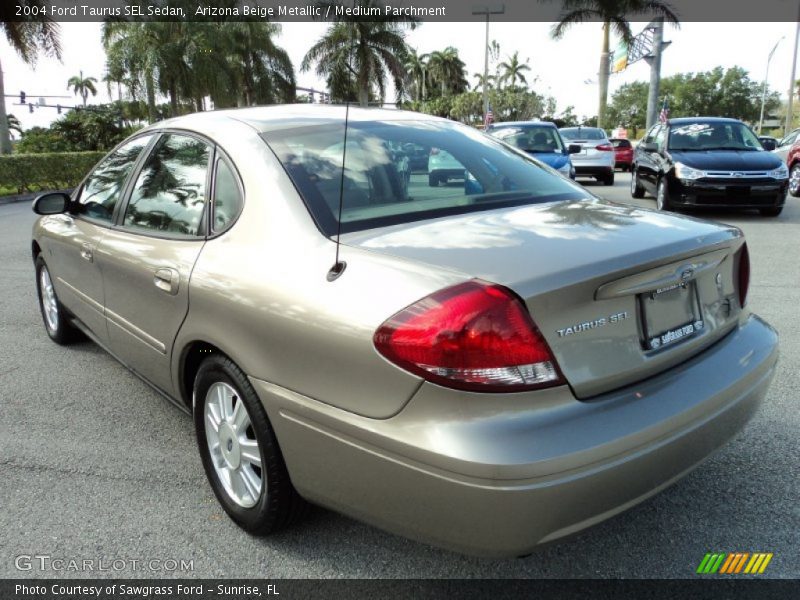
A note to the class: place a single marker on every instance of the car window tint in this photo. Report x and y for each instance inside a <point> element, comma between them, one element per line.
<point>169,195</point>
<point>103,188</point>
<point>227,197</point>
<point>582,133</point>
<point>531,139</point>
<point>658,137</point>
<point>377,180</point>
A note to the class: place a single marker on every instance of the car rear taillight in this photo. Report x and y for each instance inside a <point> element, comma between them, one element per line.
<point>604,147</point>
<point>744,274</point>
<point>472,336</point>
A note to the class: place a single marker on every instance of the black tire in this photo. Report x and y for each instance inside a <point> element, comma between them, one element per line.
<point>637,191</point>
<point>772,211</point>
<point>60,330</point>
<point>278,504</point>
<point>794,180</point>
<point>433,180</point>
<point>662,195</point>
<point>609,178</point>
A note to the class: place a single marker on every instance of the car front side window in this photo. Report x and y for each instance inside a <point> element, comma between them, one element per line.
<point>170,192</point>
<point>102,189</point>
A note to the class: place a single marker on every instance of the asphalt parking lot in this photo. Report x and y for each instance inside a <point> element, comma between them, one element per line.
<point>95,465</point>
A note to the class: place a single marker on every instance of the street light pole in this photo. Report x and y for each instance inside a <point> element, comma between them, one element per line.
<point>764,90</point>
<point>487,11</point>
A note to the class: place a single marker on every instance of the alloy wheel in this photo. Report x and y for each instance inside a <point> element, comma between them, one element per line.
<point>49,301</point>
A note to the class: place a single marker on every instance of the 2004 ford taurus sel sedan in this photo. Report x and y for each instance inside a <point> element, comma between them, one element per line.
<point>486,366</point>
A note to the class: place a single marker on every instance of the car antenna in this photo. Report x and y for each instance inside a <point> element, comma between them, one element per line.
<point>339,265</point>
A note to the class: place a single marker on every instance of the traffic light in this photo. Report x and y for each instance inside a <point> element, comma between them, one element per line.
<point>22,97</point>
<point>58,107</point>
<point>30,107</point>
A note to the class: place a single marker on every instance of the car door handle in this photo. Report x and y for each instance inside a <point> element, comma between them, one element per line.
<point>87,252</point>
<point>167,280</point>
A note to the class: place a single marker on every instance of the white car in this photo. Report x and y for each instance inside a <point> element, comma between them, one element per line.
<point>596,158</point>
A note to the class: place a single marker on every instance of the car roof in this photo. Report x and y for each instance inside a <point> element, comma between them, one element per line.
<point>282,116</point>
<point>689,120</point>
<point>530,124</point>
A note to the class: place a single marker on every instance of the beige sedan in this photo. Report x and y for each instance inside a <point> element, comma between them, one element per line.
<point>486,365</point>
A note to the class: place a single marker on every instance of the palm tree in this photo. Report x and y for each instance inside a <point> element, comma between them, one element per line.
<point>417,68</point>
<point>14,124</point>
<point>354,55</point>
<point>27,38</point>
<point>513,71</point>
<point>82,86</point>
<point>614,14</point>
<point>490,79</point>
<point>448,70</point>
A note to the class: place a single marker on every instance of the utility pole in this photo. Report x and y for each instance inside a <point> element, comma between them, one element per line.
<point>654,61</point>
<point>764,90</point>
<point>487,11</point>
<point>788,125</point>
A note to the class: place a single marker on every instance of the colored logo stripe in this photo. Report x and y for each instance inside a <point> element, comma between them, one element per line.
<point>729,563</point>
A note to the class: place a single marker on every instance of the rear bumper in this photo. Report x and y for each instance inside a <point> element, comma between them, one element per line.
<point>497,475</point>
<point>594,170</point>
<point>728,194</point>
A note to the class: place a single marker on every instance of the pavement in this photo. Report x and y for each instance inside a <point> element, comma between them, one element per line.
<point>96,466</point>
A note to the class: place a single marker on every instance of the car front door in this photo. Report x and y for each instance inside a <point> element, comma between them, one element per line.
<point>72,251</point>
<point>646,163</point>
<point>148,257</point>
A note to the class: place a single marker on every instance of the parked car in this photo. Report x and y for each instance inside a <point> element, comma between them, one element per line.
<point>442,167</point>
<point>539,139</point>
<point>793,164</point>
<point>483,372</point>
<point>708,161</point>
<point>785,144</point>
<point>769,143</point>
<point>596,157</point>
<point>623,153</point>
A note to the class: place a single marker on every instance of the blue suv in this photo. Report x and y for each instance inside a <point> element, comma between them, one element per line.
<point>539,139</point>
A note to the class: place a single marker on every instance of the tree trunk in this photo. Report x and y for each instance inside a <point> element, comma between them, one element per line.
<point>363,95</point>
<point>602,76</point>
<point>173,101</point>
<point>5,134</point>
<point>151,98</point>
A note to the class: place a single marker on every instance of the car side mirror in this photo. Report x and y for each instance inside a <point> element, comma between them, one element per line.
<point>768,145</point>
<point>52,203</point>
<point>574,148</point>
<point>650,147</point>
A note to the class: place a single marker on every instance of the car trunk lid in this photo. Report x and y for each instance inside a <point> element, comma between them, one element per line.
<point>619,293</point>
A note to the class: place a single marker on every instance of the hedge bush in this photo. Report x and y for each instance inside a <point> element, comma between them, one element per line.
<point>51,171</point>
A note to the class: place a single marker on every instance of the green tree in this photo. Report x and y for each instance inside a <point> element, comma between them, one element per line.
<point>417,68</point>
<point>14,124</point>
<point>355,55</point>
<point>82,86</point>
<point>448,71</point>
<point>513,71</point>
<point>614,15</point>
<point>28,38</point>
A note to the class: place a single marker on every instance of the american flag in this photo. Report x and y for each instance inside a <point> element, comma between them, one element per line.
<point>489,118</point>
<point>664,114</point>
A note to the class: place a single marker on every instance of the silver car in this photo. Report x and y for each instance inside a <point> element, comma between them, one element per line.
<point>485,368</point>
<point>596,158</point>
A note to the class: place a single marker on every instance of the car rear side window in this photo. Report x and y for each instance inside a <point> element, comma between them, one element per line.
<point>170,192</point>
<point>227,198</point>
<point>102,189</point>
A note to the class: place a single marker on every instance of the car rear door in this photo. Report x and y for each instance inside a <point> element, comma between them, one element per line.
<point>148,257</point>
<point>70,250</point>
<point>647,162</point>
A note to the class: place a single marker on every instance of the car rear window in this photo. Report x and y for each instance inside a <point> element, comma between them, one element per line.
<point>530,138</point>
<point>384,182</point>
<point>582,133</point>
<point>621,143</point>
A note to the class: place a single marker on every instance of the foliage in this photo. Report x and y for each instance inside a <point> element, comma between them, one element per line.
<point>719,92</point>
<point>82,86</point>
<point>513,71</point>
<point>53,171</point>
<point>357,57</point>
<point>507,105</point>
<point>614,15</point>
<point>98,128</point>
<point>447,72</point>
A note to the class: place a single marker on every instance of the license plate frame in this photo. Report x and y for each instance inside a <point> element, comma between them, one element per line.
<point>670,315</point>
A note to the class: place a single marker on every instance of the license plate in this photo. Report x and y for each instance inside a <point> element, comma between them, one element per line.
<point>671,315</point>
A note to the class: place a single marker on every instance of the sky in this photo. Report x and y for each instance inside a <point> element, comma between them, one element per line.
<point>566,69</point>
